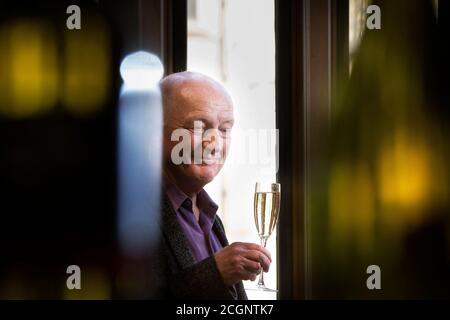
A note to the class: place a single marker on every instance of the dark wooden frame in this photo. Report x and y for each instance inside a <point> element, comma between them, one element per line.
<point>175,46</point>
<point>311,55</point>
<point>157,26</point>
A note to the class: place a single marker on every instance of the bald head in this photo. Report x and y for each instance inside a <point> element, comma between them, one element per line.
<point>190,99</point>
<point>180,90</point>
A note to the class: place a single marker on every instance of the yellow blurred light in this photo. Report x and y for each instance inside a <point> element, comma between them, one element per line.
<point>28,64</point>
<point>340,204</point>
<point>405,172</point>
<point>363,209</point>
<point>87,67</point>
<point>352,207</point>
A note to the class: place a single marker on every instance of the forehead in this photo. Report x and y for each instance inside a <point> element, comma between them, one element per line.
<point>200,99</point>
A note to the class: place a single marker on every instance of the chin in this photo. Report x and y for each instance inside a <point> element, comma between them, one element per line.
<point>202,172</point>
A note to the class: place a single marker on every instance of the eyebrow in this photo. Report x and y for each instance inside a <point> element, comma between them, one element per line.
<point>191,120</point>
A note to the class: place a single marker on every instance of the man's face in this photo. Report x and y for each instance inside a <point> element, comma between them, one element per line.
<point>199,108</point>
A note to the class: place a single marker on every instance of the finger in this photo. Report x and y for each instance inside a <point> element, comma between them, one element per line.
<point>254,255</point>
<point>257,256</point>
<point>252,266</point>
<point>249,276</point>
<point>267,253</point>
<point>254,246</point>
<point>265,263</point>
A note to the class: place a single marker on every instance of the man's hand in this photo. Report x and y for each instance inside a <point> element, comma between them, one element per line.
<point>242,261</point>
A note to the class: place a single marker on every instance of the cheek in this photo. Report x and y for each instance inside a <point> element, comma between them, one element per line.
<point>168,147</point>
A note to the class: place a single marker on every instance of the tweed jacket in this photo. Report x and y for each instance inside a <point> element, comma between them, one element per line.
<point>183,278</point>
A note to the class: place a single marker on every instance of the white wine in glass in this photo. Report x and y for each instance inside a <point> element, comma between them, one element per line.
<point>266,210</point>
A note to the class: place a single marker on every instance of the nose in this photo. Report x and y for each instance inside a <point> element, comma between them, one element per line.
<point>212,143</point>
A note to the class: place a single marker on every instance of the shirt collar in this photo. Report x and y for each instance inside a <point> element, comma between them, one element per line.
<point>177,197</point>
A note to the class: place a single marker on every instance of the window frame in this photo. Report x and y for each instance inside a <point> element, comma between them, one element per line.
<point>303,110</point>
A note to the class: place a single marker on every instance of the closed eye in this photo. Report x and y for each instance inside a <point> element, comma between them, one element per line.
<point>197,124</point>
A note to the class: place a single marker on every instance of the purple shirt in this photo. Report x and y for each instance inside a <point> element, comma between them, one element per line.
<point>202,239</point>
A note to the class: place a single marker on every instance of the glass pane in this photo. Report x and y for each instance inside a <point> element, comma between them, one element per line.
<point>381,212</point>
<point>234,43</point>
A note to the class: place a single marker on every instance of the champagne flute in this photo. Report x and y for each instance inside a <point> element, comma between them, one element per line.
<point>266,210</point>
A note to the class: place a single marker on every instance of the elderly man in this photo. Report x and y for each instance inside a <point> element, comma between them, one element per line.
<point>198,261</point>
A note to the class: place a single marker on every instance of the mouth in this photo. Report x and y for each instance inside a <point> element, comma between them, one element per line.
<point>209,161</point>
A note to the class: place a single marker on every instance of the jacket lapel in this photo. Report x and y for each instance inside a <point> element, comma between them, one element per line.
<point>220,232</point>
<point>178,242</point>
<point>175,236</point>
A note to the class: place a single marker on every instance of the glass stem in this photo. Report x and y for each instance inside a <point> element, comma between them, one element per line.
<point>261,274</point>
